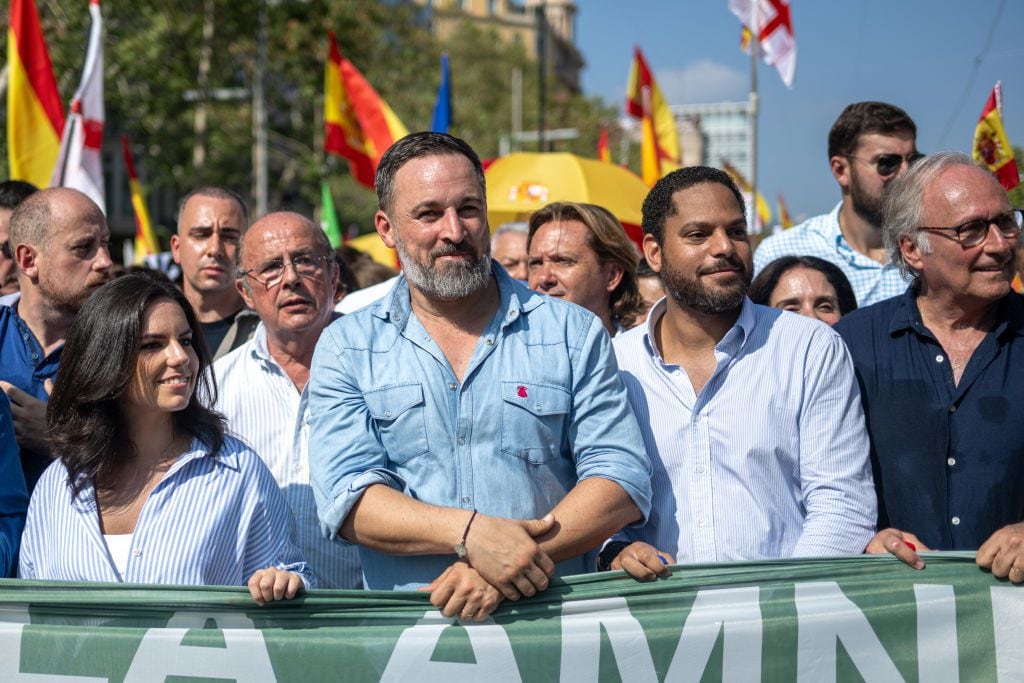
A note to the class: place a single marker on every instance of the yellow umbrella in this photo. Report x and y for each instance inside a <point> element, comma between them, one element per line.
<point>521,183</point>
<point>371,244</point>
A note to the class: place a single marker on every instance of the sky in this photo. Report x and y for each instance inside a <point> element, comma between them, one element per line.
<point>933,58</point>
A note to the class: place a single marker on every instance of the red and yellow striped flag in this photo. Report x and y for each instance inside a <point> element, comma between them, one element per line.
<point>762,214</point>
<point>146,243</point>
<point>359,125</point>
<point>659,141</point>
<point>35,117</point>
<point>603,153</point>
<point>992,148</point>
<point>785,220</point>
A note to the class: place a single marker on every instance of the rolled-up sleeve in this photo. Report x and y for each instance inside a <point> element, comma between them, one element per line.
<point>604,434</point>
<point>835,472</point>
<point>345,452</point>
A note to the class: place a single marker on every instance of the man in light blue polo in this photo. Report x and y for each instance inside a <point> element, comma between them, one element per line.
<point>870,144</point>
<point>466,432</point>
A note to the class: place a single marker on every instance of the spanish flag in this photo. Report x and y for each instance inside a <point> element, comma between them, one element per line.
<point>992,148</point>
<point>603,153</point>
<point>35,117</point>
<point>784,218</point>
<point>659,142</point>
<point>359,125</point>
<point>146,243</point>
<point>762,216</point>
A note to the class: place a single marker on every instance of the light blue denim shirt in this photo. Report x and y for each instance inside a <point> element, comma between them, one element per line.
<point>540,407</point>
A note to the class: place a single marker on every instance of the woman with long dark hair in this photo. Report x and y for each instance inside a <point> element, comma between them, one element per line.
<point>147,487</point>
<point>806,285</point>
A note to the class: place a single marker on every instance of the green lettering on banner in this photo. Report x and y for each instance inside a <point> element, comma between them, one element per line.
<point>850,619</point>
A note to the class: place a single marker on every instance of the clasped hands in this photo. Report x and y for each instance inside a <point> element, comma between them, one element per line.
<point>504,560</point>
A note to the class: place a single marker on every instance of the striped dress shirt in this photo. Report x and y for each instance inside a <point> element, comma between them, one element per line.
<point>212,520</point>
<point>770,459</point>
<point>264,408</point>
<point>821,236</point>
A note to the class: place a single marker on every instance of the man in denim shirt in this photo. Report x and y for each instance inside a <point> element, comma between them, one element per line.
<point>463,391</point>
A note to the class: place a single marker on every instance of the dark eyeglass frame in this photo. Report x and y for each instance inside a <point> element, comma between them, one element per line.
<point>888,164</point>
<point>978,234</point>
<point>5,249</point>
<point>306,266</point>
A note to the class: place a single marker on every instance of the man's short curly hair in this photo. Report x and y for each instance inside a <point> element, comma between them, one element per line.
<point>658,205</point>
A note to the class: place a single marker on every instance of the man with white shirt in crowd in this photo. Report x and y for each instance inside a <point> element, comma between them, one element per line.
<point>870,144</point>
<point>751,415</point>
<point>287,274</point>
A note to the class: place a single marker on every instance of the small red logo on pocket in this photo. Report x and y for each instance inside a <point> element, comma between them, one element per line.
<point>521,391</point>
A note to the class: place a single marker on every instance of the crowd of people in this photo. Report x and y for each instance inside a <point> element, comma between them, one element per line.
<point>475,426</point>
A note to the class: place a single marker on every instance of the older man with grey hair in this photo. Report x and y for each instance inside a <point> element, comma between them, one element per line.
<point>941,369</point>
<point>508,247</point>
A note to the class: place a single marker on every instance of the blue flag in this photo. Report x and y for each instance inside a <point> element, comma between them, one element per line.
<point>443,107</point>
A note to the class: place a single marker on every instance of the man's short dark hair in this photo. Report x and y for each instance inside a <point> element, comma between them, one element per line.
<point>217,193</point>
<point>416,146</point>
<point>866,117</point>
<point>14,192</point>
<point>658,205</point>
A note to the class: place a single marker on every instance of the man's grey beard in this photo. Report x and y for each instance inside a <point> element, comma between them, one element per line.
<point>459,280</point>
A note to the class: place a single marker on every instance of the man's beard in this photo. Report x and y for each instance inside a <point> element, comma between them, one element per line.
<point>690,292</point>
<point>458,280</point>
<point>864,205</point>
<point>67,300</point>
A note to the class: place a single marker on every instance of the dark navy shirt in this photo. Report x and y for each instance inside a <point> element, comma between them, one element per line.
<point>948,459</point>
<point>23,364</point>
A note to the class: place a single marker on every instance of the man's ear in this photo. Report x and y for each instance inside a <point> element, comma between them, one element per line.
<point>911,253</point>
<point>384,228</point>
<point>243,291</point>
<point>176,248</point>
<point>26,256</point>
<point>652,252</point>
<point>615,272</point>
<point>841,170</point>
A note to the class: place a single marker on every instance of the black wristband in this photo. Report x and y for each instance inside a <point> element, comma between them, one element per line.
<point>608,554</point>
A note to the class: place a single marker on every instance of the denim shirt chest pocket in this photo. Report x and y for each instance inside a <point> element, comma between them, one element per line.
<point>399,414</point>
<point>533,418</point>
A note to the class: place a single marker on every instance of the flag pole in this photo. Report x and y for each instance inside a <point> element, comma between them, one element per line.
<point>754,44</point>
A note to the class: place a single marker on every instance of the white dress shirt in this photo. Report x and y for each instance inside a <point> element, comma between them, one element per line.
<point>770,459</point>
<point>264,407</point>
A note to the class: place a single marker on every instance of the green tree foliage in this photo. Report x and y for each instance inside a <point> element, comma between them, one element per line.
<point>153,55</point>
<point>1017,193</point>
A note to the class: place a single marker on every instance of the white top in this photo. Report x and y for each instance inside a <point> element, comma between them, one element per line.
<point>365,296</point>
<point>264,407</point>
<point>119,545</point>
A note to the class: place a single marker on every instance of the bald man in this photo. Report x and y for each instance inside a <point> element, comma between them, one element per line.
<point>286,274</point>
<point>61,249</point>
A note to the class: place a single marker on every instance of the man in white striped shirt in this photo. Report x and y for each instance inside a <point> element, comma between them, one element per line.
<point>751,416</point>
<point>288,276</point>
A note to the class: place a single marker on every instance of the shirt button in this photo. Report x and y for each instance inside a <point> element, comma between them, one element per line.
<point>387,413</point>
<point>465,500</point>
<point>955,521</point>
<point>699,469</point>
<point>462,442</point>
<point>950,461</point>
<point>453,386</point>
<point>952,409</point>
<point>490,342</point>
<point>939,358</point>
<point>702,522</point>
<point>137,553</point>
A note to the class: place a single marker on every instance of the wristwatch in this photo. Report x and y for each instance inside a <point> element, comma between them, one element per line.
<point>608,554</point>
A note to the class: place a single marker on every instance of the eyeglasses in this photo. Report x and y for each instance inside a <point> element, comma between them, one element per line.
<point>5,249</point>
<point>271,274</point>
<point>887,164</point>
<point>973,233</point>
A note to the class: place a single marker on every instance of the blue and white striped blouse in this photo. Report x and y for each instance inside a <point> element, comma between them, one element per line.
<point>210,521</point>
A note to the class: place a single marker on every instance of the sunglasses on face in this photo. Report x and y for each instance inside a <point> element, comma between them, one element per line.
<point>973,233</point>
<point>888,164</point>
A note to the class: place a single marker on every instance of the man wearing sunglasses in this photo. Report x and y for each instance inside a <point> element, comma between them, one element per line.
<point>870,144</point>
<point>941,370</point>
<point>287,275</point>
